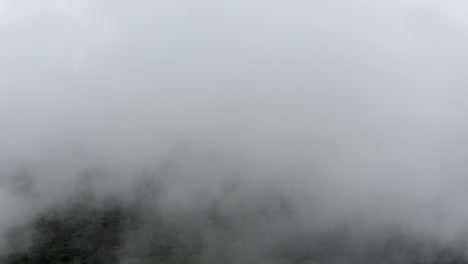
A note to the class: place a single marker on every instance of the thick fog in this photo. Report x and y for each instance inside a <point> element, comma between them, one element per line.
<point>352,114</point>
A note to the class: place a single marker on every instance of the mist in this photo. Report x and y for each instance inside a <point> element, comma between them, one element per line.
<point>266,131</point>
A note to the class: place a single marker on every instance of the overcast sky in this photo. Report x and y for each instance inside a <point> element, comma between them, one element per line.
<point>357,108</point>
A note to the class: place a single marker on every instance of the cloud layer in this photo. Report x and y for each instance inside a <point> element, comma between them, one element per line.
<point>354,111</point>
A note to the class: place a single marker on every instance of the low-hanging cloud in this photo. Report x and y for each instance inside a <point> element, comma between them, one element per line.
<point>352,110</point>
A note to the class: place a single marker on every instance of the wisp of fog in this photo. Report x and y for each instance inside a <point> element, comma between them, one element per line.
<point>233,131</point>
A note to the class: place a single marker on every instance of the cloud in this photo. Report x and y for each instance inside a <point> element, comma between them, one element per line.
<point>352,110</point>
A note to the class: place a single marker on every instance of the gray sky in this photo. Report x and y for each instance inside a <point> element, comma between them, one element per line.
<point>356,108</point>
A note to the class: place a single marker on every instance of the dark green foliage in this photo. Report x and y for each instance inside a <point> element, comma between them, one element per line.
<point>80,234</point>
<point>139,231</point>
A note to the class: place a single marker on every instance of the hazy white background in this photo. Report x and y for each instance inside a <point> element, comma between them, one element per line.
<point>355,109</point>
